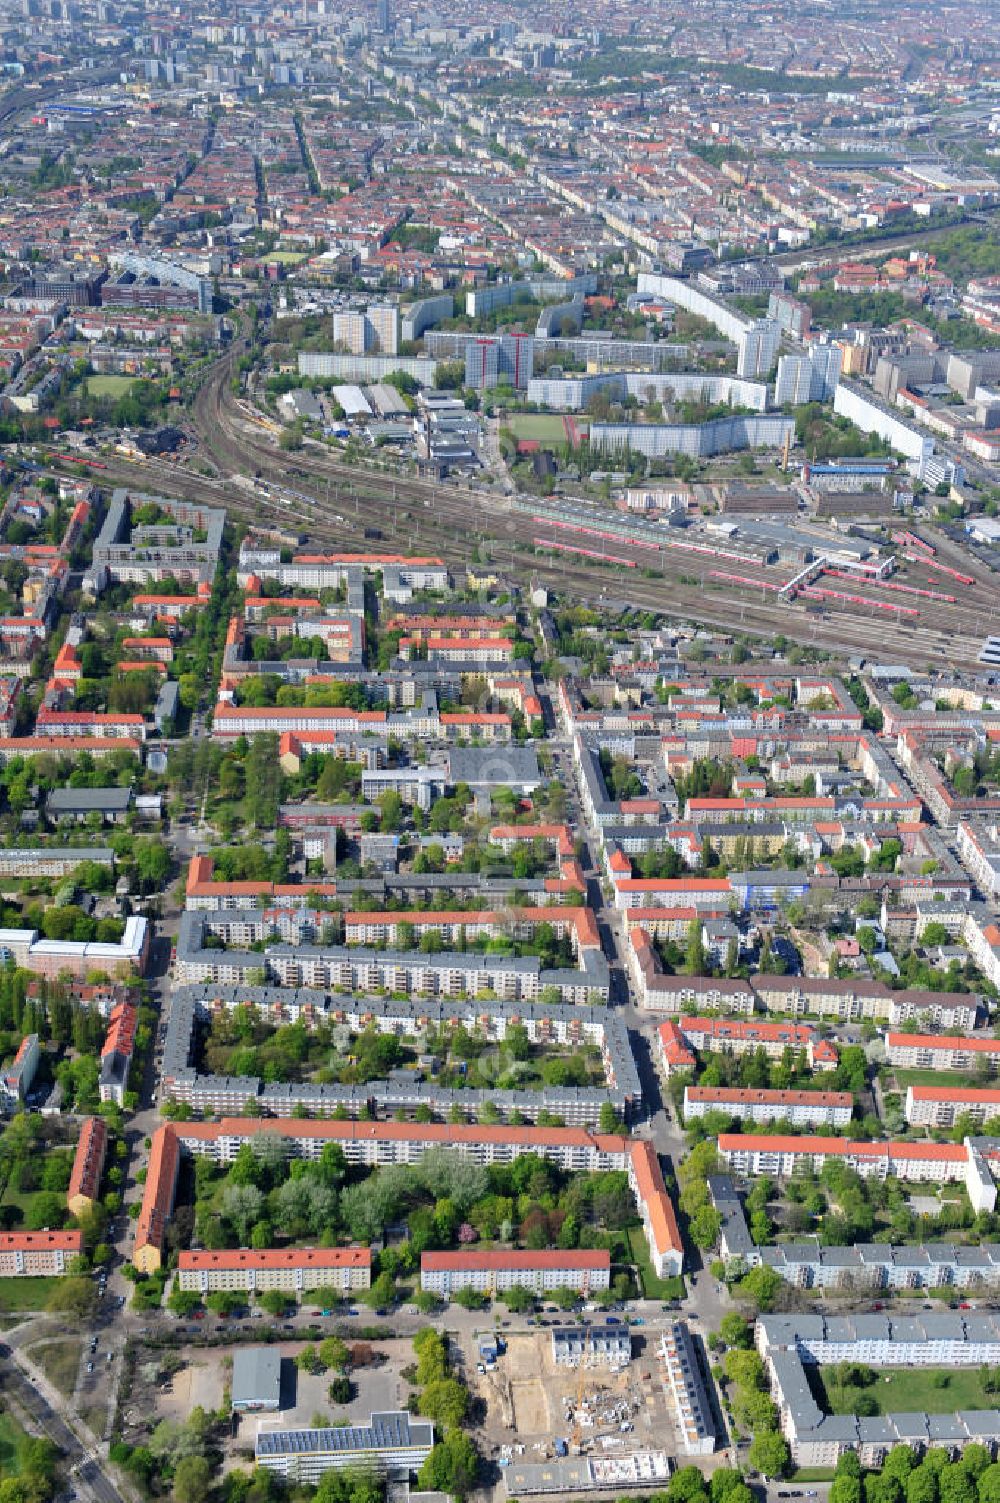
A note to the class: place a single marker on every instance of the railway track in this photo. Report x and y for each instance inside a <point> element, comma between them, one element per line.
<point>333,503</point>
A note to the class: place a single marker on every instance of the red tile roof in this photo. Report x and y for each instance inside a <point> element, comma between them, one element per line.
<point>400,1132</point>
<point>285,1257</point>
<point>796,1034</point>
<point>742,1096</point>
<point>88,1161</point>
<point>958,1094</point>
<point>952,1153</point>
<point>489,1259</point>
<point>161,1184</point>
<point>651,1192</point>
<point>942,1041</point>
<point>68,1242</point>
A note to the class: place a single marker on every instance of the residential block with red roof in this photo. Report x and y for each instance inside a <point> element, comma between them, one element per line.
<point>291,1269</point>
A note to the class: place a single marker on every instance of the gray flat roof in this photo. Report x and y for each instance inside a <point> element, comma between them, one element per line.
<point>256,1376</point>
<point>69,800</point>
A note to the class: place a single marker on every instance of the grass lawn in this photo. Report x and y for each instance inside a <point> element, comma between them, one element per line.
<point>10,1436</point>
<point>907,1390</point>
<point>59,1361</point>
<point>540,425</point>
<point>906,1078</point>
<point>24,1200</point>
<point>813,1474</point>
<point>25,1294</point>
<point>286,257</point>
<point>652,1287</point>
<point>110,386</point>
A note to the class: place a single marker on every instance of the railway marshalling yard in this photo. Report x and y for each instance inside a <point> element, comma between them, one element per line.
<point>922,615</point>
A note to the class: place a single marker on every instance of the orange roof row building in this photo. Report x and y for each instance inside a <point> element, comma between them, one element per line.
<point>88,1166</point>
<point>492,1270</point>
<point>294,1269</point>
<point>374,1143</point>
<point>38,1254</point>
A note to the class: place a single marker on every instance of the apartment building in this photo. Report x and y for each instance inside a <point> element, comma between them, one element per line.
<point>60,957</point>
<point>411,1018</point>
<point>88,1166</point>
<point>659,1220</point>
<point>675,1053</point>
<point>417,785</point>
<point>789,1344</point>
<point>494,1271</point>
<point>778,1156</point>
<point>878,1265</point>
<point>38,1254</point>
<point>52,860</point>
<point>443,974</point>
<point>393,1444</point>
<point>800,1108</point>
<point>373,1144</point>
<point>290,1270</point>
<point>124,552</point>
<point>607,1344</point>
<point>15,1083</point>
<point>941,1106</point>
<point>850,1000</point>
<point>157,1199</point>
<point>60,724</point>
<point>735,1036</point>
<point>373,329</point>
<point>979,848</point>
<point>928,1051</point>
<point>401,575</point>
<point>117,1052</point>
<point>691,1410</point>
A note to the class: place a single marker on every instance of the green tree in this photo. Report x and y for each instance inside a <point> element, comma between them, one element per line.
<point>769,1454</point>
<point>955,1485</point>
<point>74,1297</point>
<point>518,1299</point>
<point>183,1301</point>
<point>921,1485</point>
<point>152,864</point>
<point>192,1477</point>
<point>334,1353</point>
<point>451,1466</point>
<point>445,1402</point>
<point>736,1330</point>
<point>705,1227</point>
<point>988,1484</point>
<point>845,1489</point>
<point>760,1286</point>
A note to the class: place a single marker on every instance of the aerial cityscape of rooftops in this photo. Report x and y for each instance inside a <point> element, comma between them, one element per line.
<point>499,752</point>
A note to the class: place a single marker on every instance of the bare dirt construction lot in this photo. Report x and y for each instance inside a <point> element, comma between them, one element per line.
<point>200,1381</point>
<point>529,1400</point>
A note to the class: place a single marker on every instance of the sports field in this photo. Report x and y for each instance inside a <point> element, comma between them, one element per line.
<point>541,426</point>
<point>110,386</point>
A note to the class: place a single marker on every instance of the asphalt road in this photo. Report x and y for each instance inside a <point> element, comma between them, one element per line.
<point>90,1475</point>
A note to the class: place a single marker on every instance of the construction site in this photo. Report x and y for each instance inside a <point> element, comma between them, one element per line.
<point>547,1397</point>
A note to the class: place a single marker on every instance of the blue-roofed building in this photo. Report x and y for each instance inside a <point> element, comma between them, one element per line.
<point>393,1444</point>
